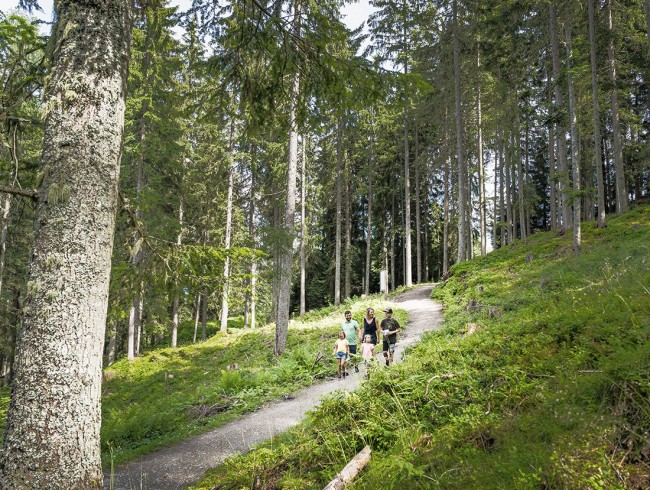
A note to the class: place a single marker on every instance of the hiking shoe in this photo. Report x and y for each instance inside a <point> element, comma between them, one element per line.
<point>356,369</point>
<point>339,376</point>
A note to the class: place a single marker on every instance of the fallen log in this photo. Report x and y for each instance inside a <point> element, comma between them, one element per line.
<point>351,470</point>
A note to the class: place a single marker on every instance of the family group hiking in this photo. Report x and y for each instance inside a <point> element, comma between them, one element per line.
<point>351,335</point>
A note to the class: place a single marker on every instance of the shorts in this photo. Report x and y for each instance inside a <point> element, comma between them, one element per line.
<point>353,348</point>
<point>341,355</point>
<point>389,346</point>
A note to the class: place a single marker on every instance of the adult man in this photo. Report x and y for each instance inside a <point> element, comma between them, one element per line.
<point>389,327</point>
<point>351,329</point>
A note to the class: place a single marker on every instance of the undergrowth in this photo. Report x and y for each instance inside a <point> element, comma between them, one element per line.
<point>169,394</point>
<point>552,390</point>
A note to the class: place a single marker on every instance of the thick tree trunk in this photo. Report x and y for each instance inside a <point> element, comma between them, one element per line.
<point>575,144</point>
<point>286,261</point>
<point>598,152</point>
<point>462,198</point>
<point>559,128</point>
<point>339,206</point>
<point>228,231</point>
<point>303,230</point>
<point>621,187</point>
<point>52,436</point>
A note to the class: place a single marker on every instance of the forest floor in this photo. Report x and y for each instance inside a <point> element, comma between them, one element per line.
<point>179,465</point>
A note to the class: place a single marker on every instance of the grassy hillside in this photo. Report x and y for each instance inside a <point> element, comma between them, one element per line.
<point>552,390</point>
<point>169,394</point>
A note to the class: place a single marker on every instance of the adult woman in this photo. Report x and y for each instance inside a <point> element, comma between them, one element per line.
<point>371,326</point>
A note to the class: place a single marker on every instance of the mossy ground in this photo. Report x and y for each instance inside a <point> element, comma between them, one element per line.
<point>552,391</point>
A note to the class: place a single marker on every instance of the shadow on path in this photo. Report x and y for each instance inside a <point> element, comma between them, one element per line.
<point>178,466</point>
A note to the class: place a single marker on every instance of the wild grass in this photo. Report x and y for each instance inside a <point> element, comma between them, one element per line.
<point>170,394</point>
<point>552,391</point>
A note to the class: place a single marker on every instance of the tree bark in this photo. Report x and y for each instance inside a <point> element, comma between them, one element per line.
<point>560,132</point>
<point>286,255</point>
<point>348,228</point>
<point>598,152</point>
<point>621,187</point>
<point>52,436</point>
<point>462,198</point>
<point>418,230</point>
<point>303,230</point>
<point>575,144</point>
<point>481,168</point>
<point>339,206</point>
<point>369,225</point>
<point>228,231</point>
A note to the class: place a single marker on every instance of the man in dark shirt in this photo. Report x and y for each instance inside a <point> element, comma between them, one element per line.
<point>389,327</point>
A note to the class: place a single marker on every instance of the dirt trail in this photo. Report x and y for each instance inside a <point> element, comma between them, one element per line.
<point>177,466</point>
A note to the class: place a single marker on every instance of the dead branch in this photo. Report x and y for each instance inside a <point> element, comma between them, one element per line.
<point>31,193</point>
<point>351,470</point>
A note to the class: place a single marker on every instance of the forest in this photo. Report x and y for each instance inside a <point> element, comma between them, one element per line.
<point>239,163</point>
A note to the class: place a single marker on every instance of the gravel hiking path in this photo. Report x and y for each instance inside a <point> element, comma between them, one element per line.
<point>178,466</point>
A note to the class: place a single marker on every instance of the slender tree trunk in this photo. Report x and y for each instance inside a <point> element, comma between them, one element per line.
<point>52,435</point>
<point>369,226</point>
<point>481,169</point>
<point>621,187</point>
<point>418,231</point>
<point>393,265</point>
<point>575,144</point>
<point>284,295</point>
<point>462,198</point>
<point>303,230</point>
<point>445,224</point>
<point>520,181</point>
<point>495,214</point>
<point>6,205</point>
<point>551,159</point>
<point>249,310</point>
<point>560,131</point>
<point>647,24</point>
<point>408,275</point>
<point>509,217</point>
<point>502,205</point>
<point>204,315</point>
<point>176,303</point>
<point>348,227</point>
<point>112,345</point>
<point>339,206</point>
<point>197,315</point>
<point>228,232</point>
<point>598,152</point>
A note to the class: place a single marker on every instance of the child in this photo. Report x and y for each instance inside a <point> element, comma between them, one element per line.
<point>341,351</point>
<point>368,349</point>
